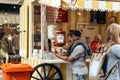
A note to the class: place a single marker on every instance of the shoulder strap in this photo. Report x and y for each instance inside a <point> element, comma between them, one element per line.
<point>103,49</point>
<point>71,48</point>
<point>111,71</point>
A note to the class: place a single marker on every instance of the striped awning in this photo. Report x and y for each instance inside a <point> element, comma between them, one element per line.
<point>84,4</point>
<point>95,5</point>
<point>54,3</point>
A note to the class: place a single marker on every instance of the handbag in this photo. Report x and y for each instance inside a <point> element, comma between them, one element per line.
<point>96,63</point>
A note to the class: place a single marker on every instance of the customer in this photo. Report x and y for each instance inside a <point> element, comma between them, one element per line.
<point>3,47</point>
<point>15,41</point>
<point>95,44</point>
<point>4,44</point>
<point>76,56</point>
<point>111,65</point>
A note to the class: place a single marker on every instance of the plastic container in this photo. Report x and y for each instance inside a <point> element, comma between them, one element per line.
<point>16,71</point>
<point>60,38</point>
<point>51,32</point>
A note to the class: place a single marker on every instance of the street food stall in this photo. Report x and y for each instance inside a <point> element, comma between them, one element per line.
<point>36,30</point>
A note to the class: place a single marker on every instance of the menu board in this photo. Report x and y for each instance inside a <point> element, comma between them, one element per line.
<point>53,14</point>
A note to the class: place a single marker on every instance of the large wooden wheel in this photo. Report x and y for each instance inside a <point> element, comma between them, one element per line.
<point>46,72</point>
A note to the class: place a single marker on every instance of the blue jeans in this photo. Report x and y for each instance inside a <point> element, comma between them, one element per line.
<point>79,77</point>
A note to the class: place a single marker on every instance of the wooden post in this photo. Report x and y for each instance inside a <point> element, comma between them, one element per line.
<point>43,18</point>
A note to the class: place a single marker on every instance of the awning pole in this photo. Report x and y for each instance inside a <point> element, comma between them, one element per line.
<point>43,18</point>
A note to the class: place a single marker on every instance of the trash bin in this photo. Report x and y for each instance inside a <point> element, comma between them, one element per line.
<point>16,71</point>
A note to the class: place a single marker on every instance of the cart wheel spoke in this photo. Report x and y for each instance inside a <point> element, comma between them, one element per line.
<point>39,74</point>
<point>49,71</point>
<point>53,75</point>
<point>35,78</point>
<point>44,70</point>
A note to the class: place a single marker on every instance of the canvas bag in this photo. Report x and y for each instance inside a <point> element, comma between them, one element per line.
<point>96,63</point>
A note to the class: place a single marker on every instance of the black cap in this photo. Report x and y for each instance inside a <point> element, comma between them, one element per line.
<point>75,33</point>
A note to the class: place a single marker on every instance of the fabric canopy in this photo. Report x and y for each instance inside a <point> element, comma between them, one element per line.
<point>84,4</point>
<point>96,5</point>
<point>53,3</point>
